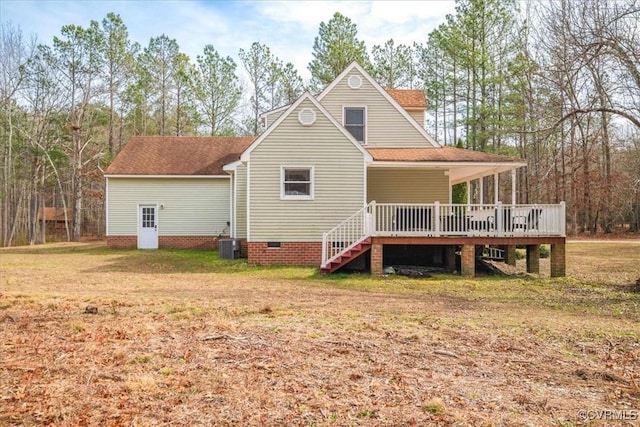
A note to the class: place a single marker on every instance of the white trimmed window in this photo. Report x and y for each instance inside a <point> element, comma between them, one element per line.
<point>355,122</point>
<point>297,183</point>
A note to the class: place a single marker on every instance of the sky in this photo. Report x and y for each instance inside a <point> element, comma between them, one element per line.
<point>288,28</point>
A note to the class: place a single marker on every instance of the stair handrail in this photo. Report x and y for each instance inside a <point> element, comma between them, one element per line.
<point>348,234</point>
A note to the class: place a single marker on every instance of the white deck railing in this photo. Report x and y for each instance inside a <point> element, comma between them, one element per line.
<point>492,220</point>
<point>442,220</point>
<point>348,234</point>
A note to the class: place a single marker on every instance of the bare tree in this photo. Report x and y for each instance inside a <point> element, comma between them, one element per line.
<point>589,52</point>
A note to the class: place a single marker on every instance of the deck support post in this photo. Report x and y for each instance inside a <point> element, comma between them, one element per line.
<point>468,260</point>
<point>558,262</point>
<point>533,259</point>
<point>376,259</point>
<point>510,255</point>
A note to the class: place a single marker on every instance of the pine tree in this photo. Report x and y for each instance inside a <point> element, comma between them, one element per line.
<point>335,47</point>
<point>217,91</point>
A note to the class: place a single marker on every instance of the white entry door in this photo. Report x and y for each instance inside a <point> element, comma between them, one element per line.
<point>147,227</point>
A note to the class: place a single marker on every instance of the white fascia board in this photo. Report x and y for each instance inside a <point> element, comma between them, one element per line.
<point>384,93</point>
<point>169,176</point>
<point>367,156</point>
<point>489,166</point>
<point>248,183</point>
<point>231,167</point>
<point>244,157</point>
<point>106,206</point>
<point>306,96</point>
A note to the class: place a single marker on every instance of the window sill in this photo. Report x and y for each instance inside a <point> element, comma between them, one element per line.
<point>296,197</point>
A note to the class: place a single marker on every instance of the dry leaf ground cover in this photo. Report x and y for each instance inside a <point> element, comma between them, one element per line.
<point>92,336</point>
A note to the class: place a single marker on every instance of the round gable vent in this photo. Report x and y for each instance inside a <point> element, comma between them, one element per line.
<point>307,117</point>
<point>354,82</point>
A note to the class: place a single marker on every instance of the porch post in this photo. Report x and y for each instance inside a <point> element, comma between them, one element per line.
<point>481,190</point>
<point>510,255</point>
<point>496,193</point>
<point>513,186</point>
<point>436,214</point>
<point>533,259</point>
<point>558,260</point>
<point>468,260</point>
<point>376,259</point>
<point>468,192</point>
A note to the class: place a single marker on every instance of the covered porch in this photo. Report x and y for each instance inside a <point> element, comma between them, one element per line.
<point>410,202</point>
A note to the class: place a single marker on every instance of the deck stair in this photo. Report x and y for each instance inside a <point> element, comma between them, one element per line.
<point>348,240</point>
<point>348,256</point>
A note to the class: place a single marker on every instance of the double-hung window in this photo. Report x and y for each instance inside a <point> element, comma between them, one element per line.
<point>297,183</point>
<point>354,122</point>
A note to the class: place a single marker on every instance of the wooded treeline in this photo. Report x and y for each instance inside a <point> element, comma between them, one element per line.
<point>556,83</point>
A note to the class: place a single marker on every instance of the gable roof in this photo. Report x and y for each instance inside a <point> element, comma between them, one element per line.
<point>178,155</point>
<point>384,93</point>
<point>292,107</point>
<point>409,98</point>
<point>444,154</point>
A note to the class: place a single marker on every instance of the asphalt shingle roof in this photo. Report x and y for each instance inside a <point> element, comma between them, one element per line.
<point>409,98</point>
<point>178,155</point>
<point>444,154</point>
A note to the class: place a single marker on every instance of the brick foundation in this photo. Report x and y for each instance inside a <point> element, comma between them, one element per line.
<point>122,242</point>
<point>376,259</point>
<point>510,255</point>
<point>166,242</point>
<point>468,260</point>
<point>533,259</point>
<point>289,253</point>
<point>558,262</point>
<point>188,242</point>
<point>244,248</point>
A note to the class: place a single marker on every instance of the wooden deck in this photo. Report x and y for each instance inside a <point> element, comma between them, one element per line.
<point>443,224</point>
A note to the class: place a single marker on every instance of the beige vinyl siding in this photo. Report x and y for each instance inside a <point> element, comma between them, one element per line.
<point>241,202</point>
<point>418,116</point>
<point>386,126</point>
<point>192,206</point>
<point>390,185</point>
<point>270,118</point>
<point>338,180</point>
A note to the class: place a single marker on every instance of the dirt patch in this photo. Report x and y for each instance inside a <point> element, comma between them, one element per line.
<point>88,340</point>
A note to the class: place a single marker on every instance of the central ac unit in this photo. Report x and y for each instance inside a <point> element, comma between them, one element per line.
<point>229,248</point>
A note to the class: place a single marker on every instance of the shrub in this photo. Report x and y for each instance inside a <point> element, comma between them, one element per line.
<point>521,252</point>
<point>544,251</point>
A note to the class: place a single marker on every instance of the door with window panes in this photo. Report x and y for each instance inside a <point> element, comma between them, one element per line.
<point>148,227</point>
